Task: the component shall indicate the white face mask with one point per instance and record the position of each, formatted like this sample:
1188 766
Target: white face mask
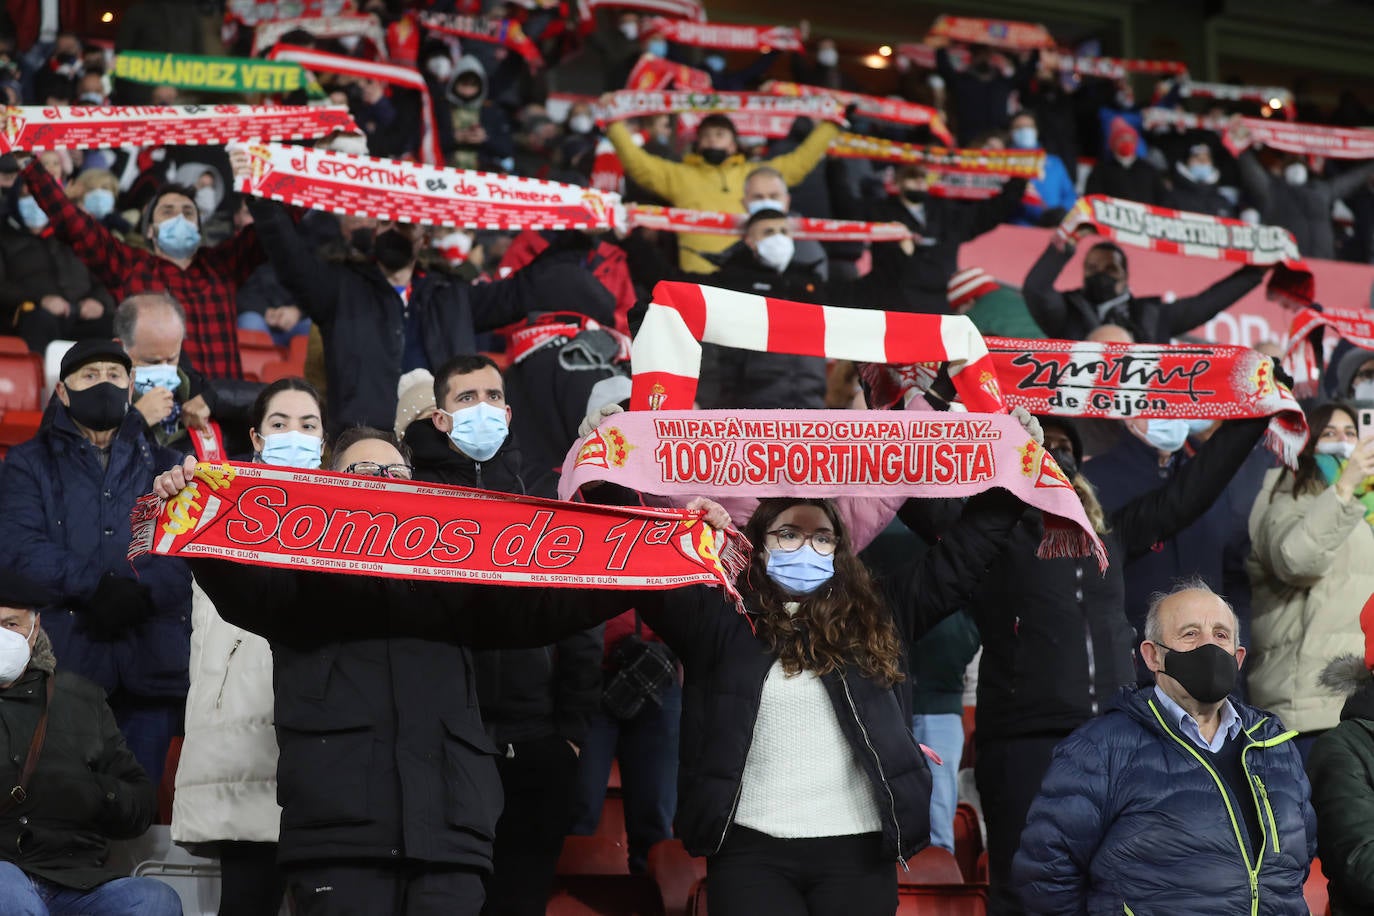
14 653
1363 391
1342 450
630 30
776 251
827 57
764 203
581 124
1295 173
441 68
206 201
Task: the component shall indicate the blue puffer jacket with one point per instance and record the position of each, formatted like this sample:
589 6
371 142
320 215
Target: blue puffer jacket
64 522
1129 821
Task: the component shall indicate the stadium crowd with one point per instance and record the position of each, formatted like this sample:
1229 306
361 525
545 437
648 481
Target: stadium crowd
1183 730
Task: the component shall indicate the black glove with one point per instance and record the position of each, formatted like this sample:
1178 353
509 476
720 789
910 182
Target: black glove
117 606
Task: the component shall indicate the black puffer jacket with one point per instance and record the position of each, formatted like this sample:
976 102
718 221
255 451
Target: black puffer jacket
1070 316
1056 642
725 666
363 320
87 788
525 693
383 754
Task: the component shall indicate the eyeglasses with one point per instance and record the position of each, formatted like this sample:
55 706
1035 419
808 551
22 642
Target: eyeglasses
788 540
373 469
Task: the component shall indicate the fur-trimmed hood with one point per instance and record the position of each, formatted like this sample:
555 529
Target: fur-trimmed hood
43 658
1347 675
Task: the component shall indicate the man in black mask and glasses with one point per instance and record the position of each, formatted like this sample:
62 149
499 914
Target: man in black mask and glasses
1178 800
65 500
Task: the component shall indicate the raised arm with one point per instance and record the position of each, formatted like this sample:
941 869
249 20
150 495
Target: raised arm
665 178
106 257
1047 305
236 257
1255 179
314 283
1190 312
796 165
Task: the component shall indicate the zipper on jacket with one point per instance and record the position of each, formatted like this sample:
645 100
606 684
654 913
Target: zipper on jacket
1087 640
1269 811
1252 873
739 785
881 775
219 698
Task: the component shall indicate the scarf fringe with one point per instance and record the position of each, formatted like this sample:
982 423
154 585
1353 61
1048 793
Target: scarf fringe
734 561
1287 448
143 519
1061 541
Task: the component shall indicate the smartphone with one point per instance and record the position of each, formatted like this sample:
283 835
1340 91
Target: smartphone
1366 423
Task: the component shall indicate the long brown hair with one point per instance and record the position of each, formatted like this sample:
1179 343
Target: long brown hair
1307 478
844 622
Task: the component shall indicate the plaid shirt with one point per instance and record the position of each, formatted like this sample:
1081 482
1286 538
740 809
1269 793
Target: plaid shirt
207 289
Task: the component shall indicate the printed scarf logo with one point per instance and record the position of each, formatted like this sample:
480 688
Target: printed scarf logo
35 129
215 74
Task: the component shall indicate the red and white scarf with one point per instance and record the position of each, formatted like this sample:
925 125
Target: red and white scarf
652 73
759 124
628 103
821 453
391 74
1195 234
701 222
675 9
1307 139
1300 357
37 128
1191 89
558 328
342 26
1119 381
896 111
1119 67
762 38
372 526
682 316
997 33
505 32
252 12
390 189
1005 163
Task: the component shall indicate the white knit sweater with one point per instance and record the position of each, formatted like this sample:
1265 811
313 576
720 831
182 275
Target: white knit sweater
801 778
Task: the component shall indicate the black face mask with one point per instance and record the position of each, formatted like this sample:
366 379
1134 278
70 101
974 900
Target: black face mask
1064 458
715 156
1098 288
1208 672
99 408
392 250
915 198
361 240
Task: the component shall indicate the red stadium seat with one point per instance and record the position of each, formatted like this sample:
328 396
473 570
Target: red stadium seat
968 841
21 380
942 900
167 789
10 344
255 350
18 426
931 865
1315 891
696 900
676 873
594 877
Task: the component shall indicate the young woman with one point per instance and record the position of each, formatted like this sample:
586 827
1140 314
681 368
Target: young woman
226 787
799 779
1311 568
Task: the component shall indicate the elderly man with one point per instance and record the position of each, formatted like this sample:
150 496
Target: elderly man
1178 800
766 189
152 328
75 784
65 500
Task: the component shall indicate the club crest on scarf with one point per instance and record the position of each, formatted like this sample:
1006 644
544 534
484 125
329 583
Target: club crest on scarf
1040 466
606 447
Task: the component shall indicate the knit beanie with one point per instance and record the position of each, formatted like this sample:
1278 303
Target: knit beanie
415 399
968 286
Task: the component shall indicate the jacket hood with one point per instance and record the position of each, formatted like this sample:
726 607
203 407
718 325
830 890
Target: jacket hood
467 65
42 658
1346 368
1348 676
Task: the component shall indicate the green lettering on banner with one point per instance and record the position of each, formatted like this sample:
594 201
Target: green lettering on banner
214 74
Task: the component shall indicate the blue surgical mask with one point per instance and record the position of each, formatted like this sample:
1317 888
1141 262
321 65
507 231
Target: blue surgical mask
178 237
479 431
1203 172
147 378
715 63
1025 138
800 571
1167 435
1198 427
32 214
658 47
99 202
292 449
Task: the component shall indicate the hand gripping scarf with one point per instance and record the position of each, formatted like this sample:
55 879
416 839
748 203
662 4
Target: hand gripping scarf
373 526
390 189
35 129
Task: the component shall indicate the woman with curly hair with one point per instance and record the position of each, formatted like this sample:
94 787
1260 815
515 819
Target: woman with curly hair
799 779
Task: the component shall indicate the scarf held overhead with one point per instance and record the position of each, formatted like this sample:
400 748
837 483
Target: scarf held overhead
672 219
505 32
666 358
628 103
372 526
815 453
342 26
896 111
1308 325
389 189
214 74
1118 381
1005 163
1306 139
252 12
35 129
997 33
653 74
761 38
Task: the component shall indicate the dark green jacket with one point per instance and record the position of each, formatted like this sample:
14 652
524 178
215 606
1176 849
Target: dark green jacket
1341 770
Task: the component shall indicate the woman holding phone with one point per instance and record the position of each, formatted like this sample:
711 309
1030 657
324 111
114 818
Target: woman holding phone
1312 568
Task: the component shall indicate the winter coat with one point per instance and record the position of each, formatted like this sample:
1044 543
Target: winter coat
1341 769
725 665
1130 469
1193 197
383 753
1304 210
525 693
1056 192
34 266
86 788
1311 570
1070 316
695 184
226 784
1139 181
948 224
364 322
64 522
978 104
1056 642
497 152
1131 819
